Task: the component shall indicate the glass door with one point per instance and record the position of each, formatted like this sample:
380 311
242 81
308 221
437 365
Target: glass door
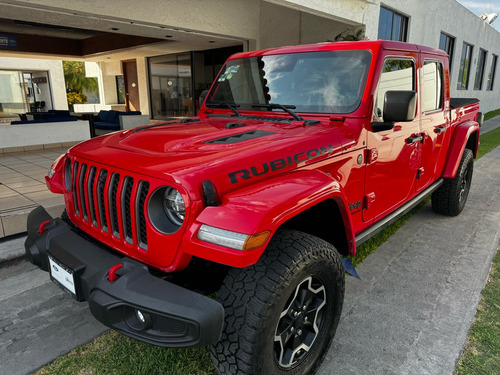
171 88
13 90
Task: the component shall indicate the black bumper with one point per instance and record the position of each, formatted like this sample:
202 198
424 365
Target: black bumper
169 316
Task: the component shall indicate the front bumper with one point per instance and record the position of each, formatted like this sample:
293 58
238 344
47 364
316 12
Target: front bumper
170 315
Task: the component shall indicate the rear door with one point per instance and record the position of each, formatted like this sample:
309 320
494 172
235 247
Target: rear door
435 120
392 157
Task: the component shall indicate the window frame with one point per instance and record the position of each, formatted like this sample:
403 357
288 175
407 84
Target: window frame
405 20
451 50
375 115
462 69
491 81
480 67
441 101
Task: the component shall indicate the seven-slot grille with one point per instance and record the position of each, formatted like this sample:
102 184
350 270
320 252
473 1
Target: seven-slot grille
110 201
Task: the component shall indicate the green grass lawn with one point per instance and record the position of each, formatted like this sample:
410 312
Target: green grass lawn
482 352
488 141
113 353
491 114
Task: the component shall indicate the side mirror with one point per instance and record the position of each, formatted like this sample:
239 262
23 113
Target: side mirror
400 105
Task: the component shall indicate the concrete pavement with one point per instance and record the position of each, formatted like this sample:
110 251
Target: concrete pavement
38 321
490 124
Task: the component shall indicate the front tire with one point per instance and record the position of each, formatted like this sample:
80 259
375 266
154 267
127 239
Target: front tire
451 196
282 313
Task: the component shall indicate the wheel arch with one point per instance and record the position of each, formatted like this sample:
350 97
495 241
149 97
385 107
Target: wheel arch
331 226
287 201
466 135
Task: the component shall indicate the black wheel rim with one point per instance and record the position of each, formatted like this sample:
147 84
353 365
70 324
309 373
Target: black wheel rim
464 185
300 322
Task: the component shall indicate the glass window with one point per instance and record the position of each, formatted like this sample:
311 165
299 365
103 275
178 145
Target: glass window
464 72
171 88
320 82
392 25
24 91
481 61
120 89
433 86
396 75
447 44
491 75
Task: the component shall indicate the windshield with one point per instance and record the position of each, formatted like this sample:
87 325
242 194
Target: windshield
318 82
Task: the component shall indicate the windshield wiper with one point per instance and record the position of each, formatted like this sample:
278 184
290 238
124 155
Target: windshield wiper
231 106
288 109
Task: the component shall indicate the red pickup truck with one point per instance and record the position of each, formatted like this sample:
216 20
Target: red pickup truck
298 155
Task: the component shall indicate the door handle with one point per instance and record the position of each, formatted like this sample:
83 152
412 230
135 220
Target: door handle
414 139
440 129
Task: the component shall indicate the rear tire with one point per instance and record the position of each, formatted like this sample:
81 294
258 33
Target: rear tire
282 313
451 196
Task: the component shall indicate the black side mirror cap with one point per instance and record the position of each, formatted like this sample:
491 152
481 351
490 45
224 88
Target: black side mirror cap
381 126
400 105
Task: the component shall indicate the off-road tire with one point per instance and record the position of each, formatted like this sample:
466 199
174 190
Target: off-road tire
260 300
451 196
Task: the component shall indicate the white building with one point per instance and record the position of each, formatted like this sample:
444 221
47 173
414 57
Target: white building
157 57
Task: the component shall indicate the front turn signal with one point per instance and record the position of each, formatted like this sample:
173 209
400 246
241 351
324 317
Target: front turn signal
256 240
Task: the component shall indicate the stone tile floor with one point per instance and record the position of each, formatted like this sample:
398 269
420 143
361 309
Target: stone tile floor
22 187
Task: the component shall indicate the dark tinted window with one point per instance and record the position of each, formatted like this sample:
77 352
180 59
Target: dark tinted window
447 44
392 25
481 61
464 72
491 76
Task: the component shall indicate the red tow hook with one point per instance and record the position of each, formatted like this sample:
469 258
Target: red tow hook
43 226
112 276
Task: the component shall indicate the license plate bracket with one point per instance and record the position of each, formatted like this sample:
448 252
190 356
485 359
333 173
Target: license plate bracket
65 270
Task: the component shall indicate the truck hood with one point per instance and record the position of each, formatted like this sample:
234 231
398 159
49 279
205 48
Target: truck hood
227 151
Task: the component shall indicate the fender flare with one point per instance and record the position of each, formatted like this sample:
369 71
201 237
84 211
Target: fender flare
267 205
458 142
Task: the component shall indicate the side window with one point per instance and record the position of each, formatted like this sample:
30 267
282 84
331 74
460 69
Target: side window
433 86
397 74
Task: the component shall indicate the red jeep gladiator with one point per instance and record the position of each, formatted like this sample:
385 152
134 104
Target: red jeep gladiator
298 155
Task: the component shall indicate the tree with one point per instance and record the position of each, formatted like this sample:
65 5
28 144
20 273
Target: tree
351 35
76 80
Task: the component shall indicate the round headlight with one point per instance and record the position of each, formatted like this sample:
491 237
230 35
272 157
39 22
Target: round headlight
166 209
174 207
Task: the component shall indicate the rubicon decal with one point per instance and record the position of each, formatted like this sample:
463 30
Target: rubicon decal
276 165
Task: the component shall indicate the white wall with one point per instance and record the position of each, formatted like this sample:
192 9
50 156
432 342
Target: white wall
280 26
55 76
43 133
109 71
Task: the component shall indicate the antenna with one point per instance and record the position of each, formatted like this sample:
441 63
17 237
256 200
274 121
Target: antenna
489 17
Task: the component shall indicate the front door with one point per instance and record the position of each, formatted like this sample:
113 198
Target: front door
393 157
131 85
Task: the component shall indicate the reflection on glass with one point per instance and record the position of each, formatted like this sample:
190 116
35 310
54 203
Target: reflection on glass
171 88
12 97
321 82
